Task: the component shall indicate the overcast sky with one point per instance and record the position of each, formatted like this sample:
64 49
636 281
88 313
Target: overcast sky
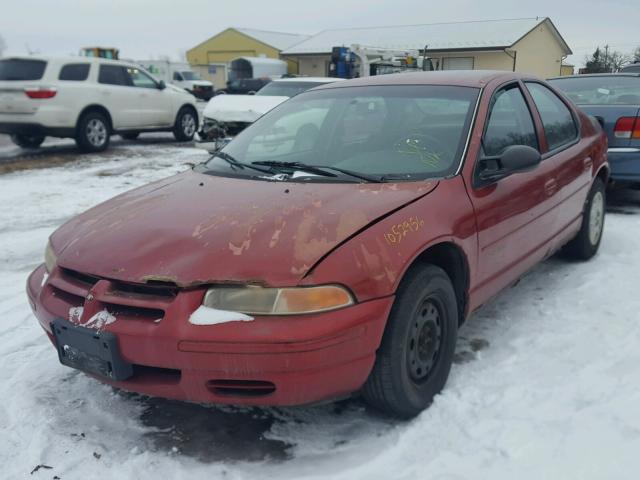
147 29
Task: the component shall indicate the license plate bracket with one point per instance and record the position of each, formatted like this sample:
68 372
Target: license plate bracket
92 351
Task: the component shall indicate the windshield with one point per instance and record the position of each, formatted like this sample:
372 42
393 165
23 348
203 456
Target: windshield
407 132
600 90
286 89
189 75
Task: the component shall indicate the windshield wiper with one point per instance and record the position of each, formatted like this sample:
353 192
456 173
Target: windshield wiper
235 163
295 166
351 173
321 170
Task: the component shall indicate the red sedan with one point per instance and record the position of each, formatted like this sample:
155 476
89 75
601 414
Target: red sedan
335 246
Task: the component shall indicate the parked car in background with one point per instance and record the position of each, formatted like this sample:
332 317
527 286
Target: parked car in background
227 115
631 68
335 246
180 75
244 86
88 99
614 99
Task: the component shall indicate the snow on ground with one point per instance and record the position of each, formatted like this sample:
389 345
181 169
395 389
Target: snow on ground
546 382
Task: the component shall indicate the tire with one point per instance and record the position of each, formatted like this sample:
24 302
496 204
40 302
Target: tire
586 243
409 369
93 132
130 136
186 124
28 141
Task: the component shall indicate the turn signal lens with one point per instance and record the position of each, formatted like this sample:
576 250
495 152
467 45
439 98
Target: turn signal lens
50 259
278 301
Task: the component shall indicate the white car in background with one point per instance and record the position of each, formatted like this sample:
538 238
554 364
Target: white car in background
227 115
88 99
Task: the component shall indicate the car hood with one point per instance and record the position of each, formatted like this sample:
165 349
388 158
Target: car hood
240 108
193 229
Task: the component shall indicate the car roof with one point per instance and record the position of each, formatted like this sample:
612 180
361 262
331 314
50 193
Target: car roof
462 78
587 75
309 79
69 59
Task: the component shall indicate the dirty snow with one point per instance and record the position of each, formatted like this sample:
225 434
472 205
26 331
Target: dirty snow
100 320
212 316
546 382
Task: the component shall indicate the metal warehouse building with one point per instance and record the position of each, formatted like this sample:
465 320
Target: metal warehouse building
211 57
531 45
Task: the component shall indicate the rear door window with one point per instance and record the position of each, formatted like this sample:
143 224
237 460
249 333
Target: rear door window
77 72
510 122
21 69
559 125
114 75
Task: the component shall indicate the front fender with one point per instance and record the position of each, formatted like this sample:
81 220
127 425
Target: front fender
373 262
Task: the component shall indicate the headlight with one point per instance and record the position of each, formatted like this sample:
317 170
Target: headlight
278 301
50 259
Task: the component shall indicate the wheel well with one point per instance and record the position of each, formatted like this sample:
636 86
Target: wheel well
603 174
453 261
96 108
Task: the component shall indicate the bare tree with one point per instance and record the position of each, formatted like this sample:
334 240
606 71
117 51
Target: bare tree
617 60
635 56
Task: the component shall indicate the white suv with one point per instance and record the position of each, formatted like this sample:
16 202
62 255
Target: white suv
88 99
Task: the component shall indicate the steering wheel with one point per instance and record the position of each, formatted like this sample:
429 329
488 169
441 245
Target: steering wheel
426 148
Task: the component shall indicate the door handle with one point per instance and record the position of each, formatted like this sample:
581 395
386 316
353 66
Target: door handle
587 163
550 186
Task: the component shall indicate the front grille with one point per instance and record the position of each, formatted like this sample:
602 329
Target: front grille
126 301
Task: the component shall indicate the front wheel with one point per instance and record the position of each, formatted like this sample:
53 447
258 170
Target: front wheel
27 141
586 243
414 360
186 125
93 132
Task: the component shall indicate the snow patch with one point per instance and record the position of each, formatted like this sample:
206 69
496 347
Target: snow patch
100 320
75 314
212 316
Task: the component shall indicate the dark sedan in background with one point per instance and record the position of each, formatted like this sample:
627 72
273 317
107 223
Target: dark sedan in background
614 99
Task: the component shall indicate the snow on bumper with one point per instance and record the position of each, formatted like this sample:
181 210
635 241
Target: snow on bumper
268 361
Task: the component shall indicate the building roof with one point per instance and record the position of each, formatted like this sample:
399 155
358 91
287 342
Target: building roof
278 40
460 78
478 35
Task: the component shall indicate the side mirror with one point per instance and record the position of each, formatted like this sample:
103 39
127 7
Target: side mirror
161 85
514 159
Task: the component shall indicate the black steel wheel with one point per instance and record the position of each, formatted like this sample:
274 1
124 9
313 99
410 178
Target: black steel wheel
416 353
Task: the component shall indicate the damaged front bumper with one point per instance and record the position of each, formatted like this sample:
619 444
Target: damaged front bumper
214 135
292 360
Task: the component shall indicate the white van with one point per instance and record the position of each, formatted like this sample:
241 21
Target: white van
180 75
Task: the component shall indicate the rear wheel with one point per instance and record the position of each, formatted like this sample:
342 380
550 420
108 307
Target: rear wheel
130 135
186 124
585 245
28 141
413 362
93 132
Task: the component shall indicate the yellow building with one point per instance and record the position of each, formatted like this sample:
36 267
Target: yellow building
211 57
531 45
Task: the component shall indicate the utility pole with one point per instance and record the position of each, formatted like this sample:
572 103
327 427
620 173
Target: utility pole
606 58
